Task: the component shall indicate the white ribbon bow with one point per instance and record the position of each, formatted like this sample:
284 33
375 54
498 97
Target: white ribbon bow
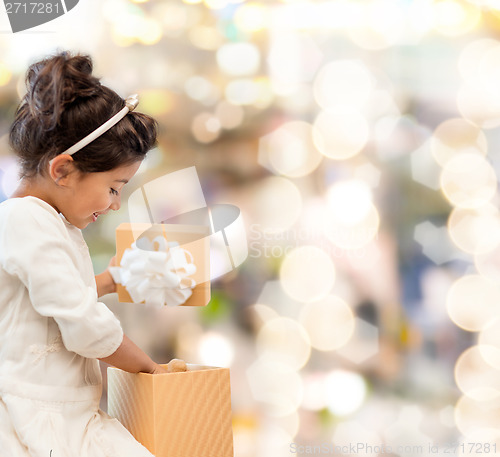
157 277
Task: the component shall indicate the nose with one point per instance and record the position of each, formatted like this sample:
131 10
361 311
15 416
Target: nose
115 203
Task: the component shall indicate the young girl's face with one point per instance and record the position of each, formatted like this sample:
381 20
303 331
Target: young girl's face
94 194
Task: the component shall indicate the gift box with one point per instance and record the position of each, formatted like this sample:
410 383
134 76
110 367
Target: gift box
190 245
186 414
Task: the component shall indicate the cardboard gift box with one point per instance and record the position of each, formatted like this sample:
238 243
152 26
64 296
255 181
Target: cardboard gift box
185 414
193 238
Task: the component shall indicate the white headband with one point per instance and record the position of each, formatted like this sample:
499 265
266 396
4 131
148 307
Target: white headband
130 104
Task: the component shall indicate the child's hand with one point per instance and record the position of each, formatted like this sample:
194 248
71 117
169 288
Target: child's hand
176 366
112 284
104 281
112 262
159 369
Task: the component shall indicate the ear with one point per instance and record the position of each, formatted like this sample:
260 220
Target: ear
60 168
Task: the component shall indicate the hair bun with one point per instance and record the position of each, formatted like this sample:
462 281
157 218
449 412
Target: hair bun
57 82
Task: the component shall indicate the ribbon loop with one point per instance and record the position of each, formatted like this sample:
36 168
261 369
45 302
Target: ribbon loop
156 272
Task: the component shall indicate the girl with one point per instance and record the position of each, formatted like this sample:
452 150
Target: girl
52 326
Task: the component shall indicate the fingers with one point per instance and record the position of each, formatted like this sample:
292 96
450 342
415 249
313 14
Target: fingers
176 366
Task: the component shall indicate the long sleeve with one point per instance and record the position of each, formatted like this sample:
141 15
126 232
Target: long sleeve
36 247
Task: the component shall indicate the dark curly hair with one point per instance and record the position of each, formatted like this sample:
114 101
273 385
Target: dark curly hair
63 104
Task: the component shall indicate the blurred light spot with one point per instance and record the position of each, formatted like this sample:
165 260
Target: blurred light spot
381 105
273 441
173 16
476 378
264 312
352 236
479 106
340 134
251 17
349 201
201 89
290 423
472 416
345 392
289 150
230 116
216 4
205 127
246 92
285 341
475 231
295 99
5 74
478 99
238 59
436 243
277 204
21 87
215 350
471 57
314 398
489 4
472 302
205 37
345 82
329 323
455 17
192 2
10 176
456 136
489 342
156 102
383 23
307 274
352 220
468 180
130 23
151 32
489 71
488 264
266 95
293 58
122 41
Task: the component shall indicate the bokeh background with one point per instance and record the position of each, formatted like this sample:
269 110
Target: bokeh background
360 140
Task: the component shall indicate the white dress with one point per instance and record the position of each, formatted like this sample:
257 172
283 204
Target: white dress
52 330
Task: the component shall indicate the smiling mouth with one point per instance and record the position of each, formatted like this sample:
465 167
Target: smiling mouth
94 216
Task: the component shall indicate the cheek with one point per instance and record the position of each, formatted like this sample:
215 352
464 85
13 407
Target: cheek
105 201
100 201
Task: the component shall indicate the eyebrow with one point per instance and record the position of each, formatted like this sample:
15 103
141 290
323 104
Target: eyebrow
122 180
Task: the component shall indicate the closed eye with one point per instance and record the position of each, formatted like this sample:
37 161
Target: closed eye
113 191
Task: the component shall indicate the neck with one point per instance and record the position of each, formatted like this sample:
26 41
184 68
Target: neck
34 187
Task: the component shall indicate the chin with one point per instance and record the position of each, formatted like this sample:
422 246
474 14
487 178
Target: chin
81 224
